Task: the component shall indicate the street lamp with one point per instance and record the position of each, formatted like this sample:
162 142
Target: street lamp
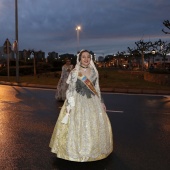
78 28
16 40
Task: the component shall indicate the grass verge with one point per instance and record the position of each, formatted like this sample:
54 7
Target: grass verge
109 78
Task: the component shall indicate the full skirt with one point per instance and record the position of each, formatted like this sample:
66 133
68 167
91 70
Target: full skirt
88 134
61 90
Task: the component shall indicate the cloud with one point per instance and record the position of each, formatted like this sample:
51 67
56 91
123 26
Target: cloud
107 25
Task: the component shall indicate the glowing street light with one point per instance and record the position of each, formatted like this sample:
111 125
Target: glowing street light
78 28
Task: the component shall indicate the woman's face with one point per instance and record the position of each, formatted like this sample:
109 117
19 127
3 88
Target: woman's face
68 62
85 59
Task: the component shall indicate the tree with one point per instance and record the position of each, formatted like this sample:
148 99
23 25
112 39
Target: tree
142 47
133 53
119 56
163 48
167 25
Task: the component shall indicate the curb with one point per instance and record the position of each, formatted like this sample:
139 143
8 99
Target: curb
27 85
103 89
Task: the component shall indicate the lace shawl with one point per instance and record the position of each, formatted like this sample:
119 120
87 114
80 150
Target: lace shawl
71 91
70 94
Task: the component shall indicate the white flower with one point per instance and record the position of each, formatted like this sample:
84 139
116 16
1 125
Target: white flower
65 119
71 101
68 108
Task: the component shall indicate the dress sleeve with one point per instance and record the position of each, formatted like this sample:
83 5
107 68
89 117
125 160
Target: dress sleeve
70 95
62 72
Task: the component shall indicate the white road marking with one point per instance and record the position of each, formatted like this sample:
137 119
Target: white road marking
134 94
167 96
114 111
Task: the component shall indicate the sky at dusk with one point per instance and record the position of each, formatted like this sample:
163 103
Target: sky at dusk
108 26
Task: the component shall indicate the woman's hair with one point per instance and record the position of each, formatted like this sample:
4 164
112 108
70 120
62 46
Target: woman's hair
81 52
67 59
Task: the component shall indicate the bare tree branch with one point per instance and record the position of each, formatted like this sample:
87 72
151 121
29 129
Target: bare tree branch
167 25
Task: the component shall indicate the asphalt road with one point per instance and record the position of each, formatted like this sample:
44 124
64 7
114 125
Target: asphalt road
141 129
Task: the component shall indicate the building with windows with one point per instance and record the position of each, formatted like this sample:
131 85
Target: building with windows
158 60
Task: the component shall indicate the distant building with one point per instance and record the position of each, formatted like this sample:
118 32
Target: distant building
100 58
158 59
52 56
26 55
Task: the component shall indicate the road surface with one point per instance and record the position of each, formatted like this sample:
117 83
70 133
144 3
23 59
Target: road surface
141 129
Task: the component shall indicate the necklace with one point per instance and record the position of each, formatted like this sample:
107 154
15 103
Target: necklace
84 68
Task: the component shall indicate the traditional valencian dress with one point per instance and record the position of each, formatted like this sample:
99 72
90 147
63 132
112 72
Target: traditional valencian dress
83 131
62 85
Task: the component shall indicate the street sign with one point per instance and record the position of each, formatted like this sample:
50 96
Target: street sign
7 47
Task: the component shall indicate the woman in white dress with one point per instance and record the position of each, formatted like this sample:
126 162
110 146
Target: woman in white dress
62 85
83 131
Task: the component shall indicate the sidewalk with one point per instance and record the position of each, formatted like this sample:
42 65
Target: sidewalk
111 90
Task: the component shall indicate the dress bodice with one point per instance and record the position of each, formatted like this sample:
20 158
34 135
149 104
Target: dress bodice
65 72
82 89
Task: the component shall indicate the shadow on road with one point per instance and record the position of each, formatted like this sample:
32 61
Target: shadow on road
106 164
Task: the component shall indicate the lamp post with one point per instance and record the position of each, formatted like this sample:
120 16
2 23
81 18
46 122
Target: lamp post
78 28
16 42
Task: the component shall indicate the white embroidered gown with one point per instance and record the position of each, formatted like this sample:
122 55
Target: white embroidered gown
62 85
88 134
